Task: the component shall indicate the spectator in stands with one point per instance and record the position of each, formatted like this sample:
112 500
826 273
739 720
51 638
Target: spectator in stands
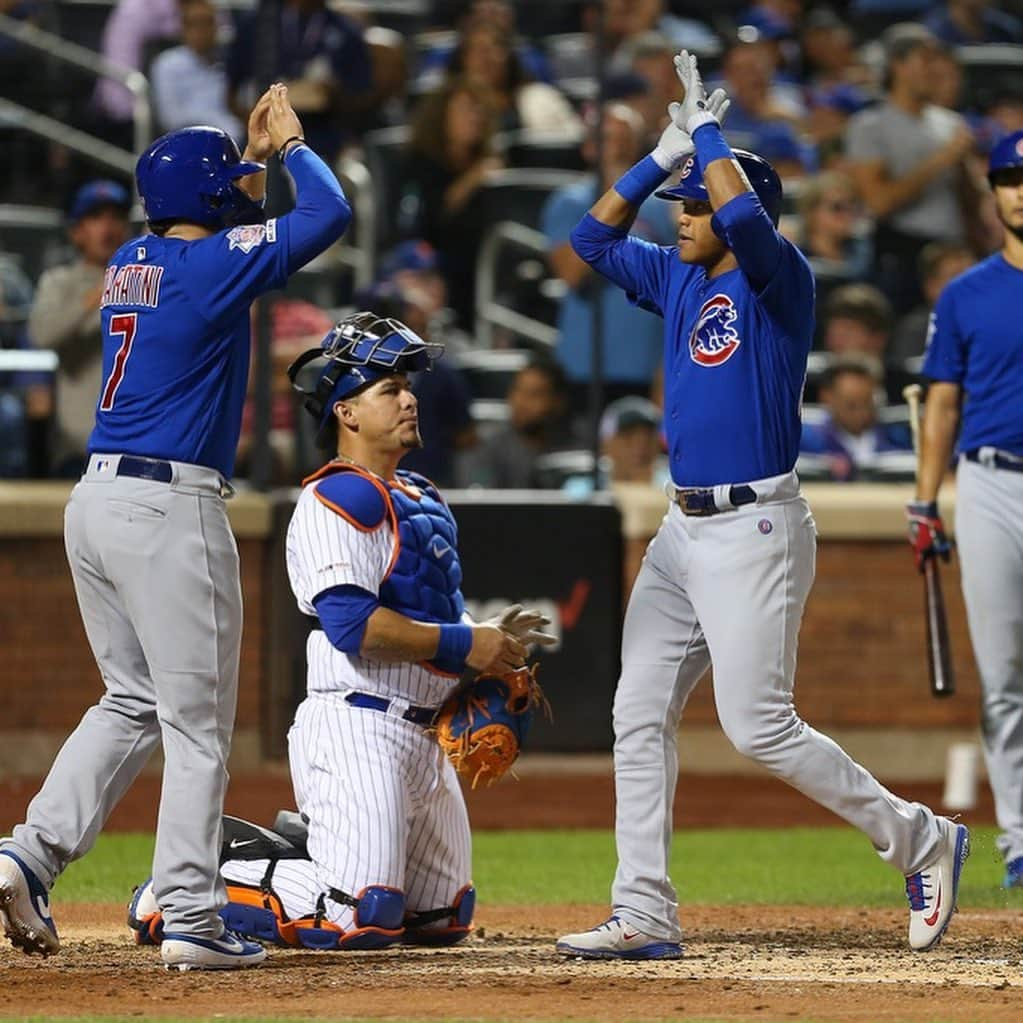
445 413
758 119
830 234
632 338
973 22
650 57
485 57
320 54
849 439
65 316
133 26
836 80
630 441
451 153
538 424
857 319
15 303
501 15
938 263
189 81
909 160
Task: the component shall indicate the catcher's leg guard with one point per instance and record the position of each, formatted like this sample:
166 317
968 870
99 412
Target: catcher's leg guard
428 927
379 915
144 916
256 913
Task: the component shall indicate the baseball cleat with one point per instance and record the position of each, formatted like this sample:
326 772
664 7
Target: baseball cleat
228 952
932 892
615 939
1013 873
144 916
25 908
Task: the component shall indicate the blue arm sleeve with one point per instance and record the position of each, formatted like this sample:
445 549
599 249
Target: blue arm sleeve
231 268
343 612
746 228
321 214
637 266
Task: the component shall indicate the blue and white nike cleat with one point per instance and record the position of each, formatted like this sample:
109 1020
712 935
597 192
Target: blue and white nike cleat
144 916
615 939
25 908
228 952
1013 873
933 891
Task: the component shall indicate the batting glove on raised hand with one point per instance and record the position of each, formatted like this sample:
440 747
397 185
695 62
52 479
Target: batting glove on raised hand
525 625
676 144
696 108
926 532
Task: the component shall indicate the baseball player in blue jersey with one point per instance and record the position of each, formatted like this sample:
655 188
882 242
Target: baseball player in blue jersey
974 362
372 554
154 562
725 579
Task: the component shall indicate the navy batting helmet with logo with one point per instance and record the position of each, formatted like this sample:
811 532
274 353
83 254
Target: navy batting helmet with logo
360 349
1007 154
762 177
190 175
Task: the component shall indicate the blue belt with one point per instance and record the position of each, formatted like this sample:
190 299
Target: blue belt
700 500
424 716
145 468
999 459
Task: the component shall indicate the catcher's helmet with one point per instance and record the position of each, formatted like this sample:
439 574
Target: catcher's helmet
762 177
1007 153
190 175
360 349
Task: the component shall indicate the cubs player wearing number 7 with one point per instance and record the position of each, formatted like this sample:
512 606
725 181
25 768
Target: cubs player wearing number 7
372 557
725 578
152 556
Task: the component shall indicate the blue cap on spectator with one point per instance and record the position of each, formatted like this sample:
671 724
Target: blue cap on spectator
624 84
410 255
628 412
767 25
97 194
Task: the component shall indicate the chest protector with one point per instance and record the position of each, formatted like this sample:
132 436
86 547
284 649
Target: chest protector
426 576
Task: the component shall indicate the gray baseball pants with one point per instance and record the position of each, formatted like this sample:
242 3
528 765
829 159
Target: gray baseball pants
155 569
730 589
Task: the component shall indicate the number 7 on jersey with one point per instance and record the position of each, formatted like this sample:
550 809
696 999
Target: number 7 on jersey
123 324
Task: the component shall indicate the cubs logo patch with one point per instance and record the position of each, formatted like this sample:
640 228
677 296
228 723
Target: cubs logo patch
687 168
714 339
246 237
765 527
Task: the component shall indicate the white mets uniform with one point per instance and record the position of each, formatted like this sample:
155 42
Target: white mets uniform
384 804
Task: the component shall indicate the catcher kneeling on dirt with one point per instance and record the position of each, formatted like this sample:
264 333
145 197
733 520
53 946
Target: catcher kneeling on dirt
398 673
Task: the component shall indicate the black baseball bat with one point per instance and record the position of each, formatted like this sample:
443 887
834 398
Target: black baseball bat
939 652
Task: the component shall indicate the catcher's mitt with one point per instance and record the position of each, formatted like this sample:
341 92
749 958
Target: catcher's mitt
482 728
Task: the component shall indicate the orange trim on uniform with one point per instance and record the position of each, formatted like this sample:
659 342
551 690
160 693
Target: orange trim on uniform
338 510
333 467
414 492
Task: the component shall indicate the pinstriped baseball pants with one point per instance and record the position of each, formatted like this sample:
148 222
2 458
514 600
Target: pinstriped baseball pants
384 808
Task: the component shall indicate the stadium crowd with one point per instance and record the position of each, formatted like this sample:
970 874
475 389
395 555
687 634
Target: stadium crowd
446 121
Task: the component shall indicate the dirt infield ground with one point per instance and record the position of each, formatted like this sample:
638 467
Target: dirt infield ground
763 963
753 963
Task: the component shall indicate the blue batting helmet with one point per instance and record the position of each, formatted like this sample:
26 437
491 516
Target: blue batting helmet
190 175
762 177
1007 153
360 349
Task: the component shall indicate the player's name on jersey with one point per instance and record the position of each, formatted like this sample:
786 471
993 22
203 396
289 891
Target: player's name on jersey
132 284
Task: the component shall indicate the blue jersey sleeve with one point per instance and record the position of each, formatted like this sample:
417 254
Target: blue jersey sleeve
231 268
776 270
639 267
945 355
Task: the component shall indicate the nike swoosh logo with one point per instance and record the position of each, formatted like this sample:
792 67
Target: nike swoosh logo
235 844
933 918
628 937
438 549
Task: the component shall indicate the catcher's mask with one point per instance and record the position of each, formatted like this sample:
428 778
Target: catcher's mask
359 350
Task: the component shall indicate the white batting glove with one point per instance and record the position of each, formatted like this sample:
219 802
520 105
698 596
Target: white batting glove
525 625
674 145
695 110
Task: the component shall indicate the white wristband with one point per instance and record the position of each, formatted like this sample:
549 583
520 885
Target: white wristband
665 160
